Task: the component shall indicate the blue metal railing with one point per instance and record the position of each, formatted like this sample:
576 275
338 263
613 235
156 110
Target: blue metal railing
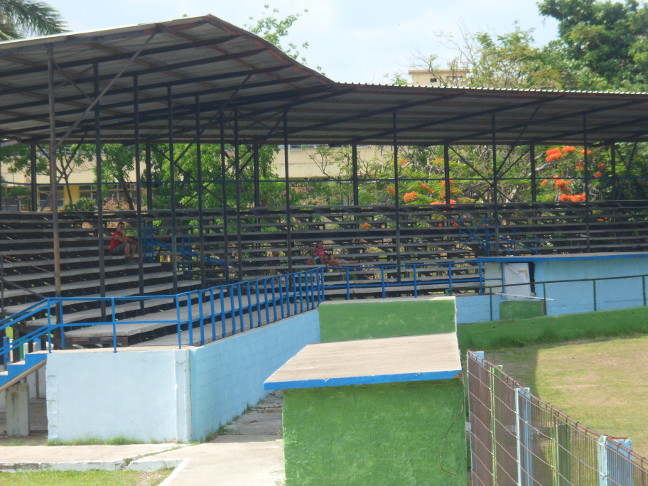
414 277
236 307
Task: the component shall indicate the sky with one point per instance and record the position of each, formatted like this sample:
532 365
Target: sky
361 41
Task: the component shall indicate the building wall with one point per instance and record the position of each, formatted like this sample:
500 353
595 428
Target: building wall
150 394
378 318
228 375
400 433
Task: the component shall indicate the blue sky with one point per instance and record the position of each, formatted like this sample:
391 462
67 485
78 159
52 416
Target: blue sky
352 40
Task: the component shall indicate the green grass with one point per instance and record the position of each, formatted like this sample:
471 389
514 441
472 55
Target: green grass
487 336
118 440
601 384
85 478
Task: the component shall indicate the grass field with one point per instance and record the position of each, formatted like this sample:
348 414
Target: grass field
602 384
86 478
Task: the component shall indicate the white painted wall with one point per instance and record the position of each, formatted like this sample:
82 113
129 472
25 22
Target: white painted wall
142 395
152 394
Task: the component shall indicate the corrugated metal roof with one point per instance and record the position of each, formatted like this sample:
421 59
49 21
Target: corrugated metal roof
227 69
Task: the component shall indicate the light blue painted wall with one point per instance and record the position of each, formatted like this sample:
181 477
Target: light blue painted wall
566 298
563 298
227 376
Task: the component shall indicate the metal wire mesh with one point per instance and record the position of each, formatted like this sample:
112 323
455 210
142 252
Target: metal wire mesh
518 439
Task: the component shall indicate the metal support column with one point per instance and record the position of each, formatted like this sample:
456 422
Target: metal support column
288 212
53 149
201 202
149 183
354 174
224 196
172 201
138 190
446 172
237 171
396 190
496 222
587 183
99 165
257 187
534 179
33 172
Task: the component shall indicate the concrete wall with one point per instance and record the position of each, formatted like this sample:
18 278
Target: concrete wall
379 435
152 394
378 318
141 395
228 375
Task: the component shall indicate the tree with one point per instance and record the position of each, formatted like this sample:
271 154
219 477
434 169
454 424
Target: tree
23 18
607 42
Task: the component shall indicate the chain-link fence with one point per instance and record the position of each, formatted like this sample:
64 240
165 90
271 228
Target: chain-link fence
517 439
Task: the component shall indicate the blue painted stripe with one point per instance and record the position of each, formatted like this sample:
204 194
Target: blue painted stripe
362 380
535 258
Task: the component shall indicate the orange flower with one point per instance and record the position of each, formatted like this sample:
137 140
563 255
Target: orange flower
578 197
589 152
391 190
579 165
598 174
601 220
568 149
436 202
452 201
425 187
410 196
565 197
438 160
601 165
403 162
365 226
544 182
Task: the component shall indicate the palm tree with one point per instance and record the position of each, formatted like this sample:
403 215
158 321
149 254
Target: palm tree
23 18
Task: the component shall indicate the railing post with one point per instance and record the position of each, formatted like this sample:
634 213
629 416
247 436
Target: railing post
258 302
114 323
223 315
212 308
348 283
239 291
594 293
414 275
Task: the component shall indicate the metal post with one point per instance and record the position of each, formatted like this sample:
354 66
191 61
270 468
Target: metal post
495 173
100 221
354 174
534 188
224 196
34 178
174 242
149 183
288 213
396 192
237 167
53 149
257 188
138 189
446 172
587 185
201 202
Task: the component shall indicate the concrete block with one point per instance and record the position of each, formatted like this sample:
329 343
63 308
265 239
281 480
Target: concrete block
18 410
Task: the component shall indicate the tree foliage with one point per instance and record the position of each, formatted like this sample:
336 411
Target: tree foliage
606 41
23 18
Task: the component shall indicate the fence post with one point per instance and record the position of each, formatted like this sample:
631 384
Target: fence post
643 285
523 430
594 295
602 461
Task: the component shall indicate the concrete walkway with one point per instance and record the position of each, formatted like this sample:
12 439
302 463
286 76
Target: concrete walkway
249 452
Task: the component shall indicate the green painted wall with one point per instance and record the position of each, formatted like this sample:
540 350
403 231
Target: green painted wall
515 309
372 319
487 336
389 434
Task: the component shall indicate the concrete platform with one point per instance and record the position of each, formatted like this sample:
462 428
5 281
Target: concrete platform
248 453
